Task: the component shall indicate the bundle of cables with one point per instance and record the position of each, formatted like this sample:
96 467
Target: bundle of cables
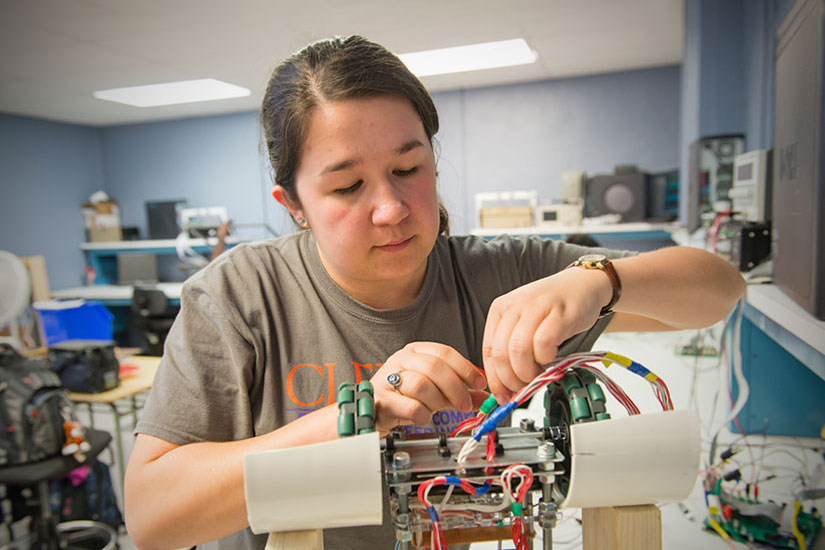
515 495
490 415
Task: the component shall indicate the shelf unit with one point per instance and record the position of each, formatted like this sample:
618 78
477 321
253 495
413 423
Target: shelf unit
639 236
102 256
637 230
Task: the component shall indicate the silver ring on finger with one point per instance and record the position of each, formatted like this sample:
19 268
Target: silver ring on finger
394 380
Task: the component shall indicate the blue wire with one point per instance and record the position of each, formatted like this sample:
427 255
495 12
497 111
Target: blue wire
397 544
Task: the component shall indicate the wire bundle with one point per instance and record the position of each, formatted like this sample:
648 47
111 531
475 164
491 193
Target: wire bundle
486 421
470 423
438 541
517 496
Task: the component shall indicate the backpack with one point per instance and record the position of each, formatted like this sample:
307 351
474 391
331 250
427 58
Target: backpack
92 499
33 409
86 366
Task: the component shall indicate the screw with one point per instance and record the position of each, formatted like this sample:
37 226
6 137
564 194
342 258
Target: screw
546 450
401 460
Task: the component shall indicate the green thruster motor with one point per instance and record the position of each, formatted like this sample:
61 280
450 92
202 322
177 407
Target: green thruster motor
356 409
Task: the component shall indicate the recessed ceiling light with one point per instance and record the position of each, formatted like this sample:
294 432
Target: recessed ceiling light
474 57
173 93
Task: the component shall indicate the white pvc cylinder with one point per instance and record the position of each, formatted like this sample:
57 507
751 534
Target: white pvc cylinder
331 484
641 459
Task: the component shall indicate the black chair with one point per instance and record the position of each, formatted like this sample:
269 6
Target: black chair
47 533
153 316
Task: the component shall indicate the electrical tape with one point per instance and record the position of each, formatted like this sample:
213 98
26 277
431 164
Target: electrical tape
621 359
494 419
636 368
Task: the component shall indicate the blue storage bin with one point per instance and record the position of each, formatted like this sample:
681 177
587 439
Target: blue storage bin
74 320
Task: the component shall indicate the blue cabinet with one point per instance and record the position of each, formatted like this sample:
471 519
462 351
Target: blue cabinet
783 361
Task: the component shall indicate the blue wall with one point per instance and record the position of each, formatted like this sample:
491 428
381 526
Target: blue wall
507 137
523 136
47 171
209 161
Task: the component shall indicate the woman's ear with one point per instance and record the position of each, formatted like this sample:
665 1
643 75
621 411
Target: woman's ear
280 195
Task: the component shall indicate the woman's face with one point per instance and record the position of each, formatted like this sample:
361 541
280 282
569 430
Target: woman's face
367 187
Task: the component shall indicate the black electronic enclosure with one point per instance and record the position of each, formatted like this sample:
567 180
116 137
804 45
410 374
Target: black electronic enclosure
163 218
799 157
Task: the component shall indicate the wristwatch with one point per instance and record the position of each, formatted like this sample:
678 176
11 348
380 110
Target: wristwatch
599 261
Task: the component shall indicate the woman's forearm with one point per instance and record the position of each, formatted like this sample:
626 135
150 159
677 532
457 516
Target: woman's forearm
678 286
179 496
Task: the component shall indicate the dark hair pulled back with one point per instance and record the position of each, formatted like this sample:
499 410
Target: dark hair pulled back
331 70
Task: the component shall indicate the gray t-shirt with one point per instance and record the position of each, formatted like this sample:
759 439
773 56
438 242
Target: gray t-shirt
264 336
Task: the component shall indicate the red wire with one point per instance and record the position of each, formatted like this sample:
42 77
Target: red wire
467 422
491 446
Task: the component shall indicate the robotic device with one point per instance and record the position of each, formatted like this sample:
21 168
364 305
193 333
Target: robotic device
484 481
453 490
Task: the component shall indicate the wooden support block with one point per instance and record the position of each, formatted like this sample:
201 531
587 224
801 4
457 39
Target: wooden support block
296 540
622 528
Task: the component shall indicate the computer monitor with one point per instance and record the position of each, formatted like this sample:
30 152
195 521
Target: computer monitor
163 218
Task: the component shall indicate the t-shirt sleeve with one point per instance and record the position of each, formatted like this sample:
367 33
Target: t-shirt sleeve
201 389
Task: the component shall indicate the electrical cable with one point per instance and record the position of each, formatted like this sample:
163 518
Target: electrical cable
555 371
744 389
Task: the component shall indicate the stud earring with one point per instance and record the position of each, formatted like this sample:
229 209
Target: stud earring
302 222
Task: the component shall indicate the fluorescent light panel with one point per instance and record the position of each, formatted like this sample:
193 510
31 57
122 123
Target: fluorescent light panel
173 93
475 57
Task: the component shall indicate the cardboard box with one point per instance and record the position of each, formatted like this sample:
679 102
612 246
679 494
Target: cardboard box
507 216
104 234
102 221
36 266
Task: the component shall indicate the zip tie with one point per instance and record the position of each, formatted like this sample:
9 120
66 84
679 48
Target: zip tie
433 514
517 509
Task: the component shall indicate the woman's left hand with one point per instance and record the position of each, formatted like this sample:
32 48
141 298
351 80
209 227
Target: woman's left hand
526 326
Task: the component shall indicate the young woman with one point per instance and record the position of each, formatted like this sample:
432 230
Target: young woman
370 287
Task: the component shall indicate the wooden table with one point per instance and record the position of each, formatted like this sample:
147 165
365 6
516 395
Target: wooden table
130 386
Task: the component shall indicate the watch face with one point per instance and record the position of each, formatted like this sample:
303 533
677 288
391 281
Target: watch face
593 258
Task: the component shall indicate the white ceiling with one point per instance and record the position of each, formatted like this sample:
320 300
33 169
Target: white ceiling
54 53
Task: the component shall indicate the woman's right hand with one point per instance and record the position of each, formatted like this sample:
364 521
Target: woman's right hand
433 377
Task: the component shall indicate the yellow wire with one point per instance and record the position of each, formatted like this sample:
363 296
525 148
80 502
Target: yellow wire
800 538
713 523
